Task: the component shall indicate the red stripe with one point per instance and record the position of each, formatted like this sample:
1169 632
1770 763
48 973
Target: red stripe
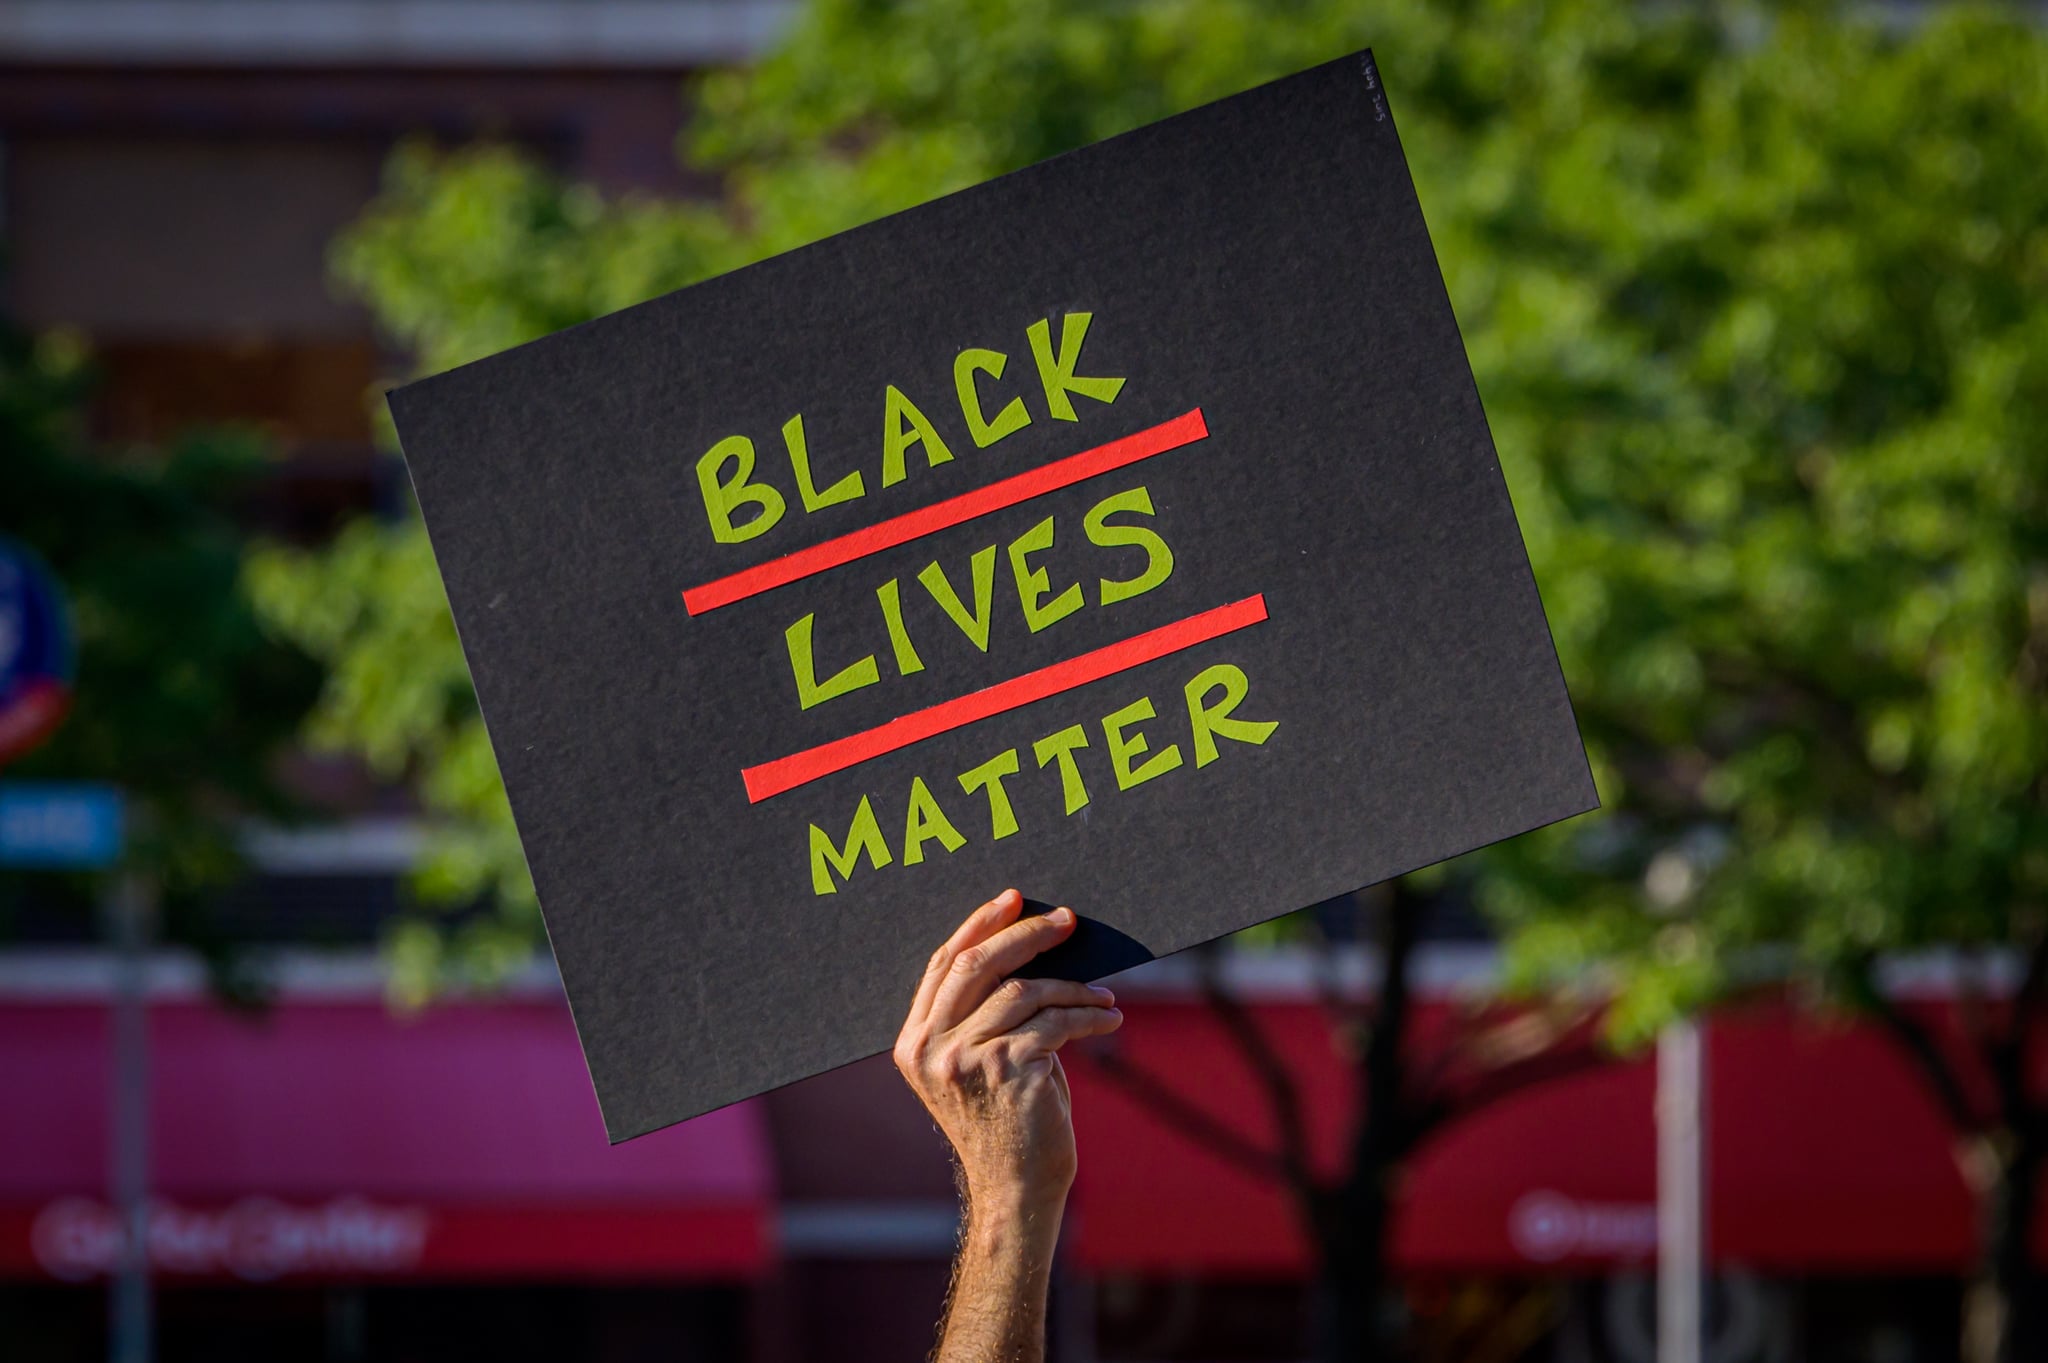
773 778
1167 435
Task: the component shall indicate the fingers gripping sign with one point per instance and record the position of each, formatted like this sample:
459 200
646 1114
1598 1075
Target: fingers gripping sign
981 1051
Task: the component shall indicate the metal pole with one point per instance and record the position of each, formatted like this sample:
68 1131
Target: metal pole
129 1337
1681 1193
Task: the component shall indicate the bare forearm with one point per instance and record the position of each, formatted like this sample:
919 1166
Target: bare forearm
980 1048
996 1310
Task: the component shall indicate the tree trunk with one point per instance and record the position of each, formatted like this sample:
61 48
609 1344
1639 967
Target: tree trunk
2019 1306
1353 1323
1359 1322
2017 1316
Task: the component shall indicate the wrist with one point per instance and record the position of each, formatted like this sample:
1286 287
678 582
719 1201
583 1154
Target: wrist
1012 1211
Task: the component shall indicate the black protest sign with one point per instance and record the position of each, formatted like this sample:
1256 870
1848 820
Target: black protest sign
1126 529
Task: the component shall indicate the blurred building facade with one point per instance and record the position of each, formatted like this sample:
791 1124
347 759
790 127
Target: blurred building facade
335 1181
338 1182
174 171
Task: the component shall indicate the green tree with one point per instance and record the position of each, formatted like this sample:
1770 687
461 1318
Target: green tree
1771 366
182 699
1755 300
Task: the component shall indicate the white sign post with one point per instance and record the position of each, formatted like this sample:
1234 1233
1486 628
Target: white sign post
1681 1193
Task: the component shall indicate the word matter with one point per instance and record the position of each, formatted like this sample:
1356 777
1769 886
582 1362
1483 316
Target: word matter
1209 717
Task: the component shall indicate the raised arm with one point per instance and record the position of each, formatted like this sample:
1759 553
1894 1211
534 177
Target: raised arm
981 1052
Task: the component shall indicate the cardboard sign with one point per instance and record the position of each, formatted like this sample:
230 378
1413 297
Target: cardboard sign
1125 529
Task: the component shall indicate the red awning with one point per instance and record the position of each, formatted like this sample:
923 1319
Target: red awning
332 1139
1825 1155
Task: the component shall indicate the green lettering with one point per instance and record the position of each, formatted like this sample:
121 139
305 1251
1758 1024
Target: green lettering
724 496
1034 583
801 663
845 490
989 776
1056 372
924 822
1122 749
907 660
1158 558
1009 421
903 425
1208 721
864 836
974 626
1060 747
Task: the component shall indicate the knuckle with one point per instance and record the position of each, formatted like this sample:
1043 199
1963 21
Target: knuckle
910 1047
970 961
952 1064
1012 992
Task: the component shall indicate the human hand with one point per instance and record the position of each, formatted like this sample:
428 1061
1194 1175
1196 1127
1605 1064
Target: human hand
981 1052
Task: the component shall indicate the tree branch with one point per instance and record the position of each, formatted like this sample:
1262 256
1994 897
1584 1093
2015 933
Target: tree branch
1920 1046
2008 1053
1343 1014
1384 1132
1525 1033
1525 1072
1267 1067
2035 982
1971 1009
1163 1102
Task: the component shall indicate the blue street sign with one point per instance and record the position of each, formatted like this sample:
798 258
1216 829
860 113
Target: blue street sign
60 825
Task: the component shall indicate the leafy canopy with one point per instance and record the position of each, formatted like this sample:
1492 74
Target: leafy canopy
182 699
1755 298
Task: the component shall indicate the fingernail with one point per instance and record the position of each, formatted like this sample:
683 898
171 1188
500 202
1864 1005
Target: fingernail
1059 918
1103 994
